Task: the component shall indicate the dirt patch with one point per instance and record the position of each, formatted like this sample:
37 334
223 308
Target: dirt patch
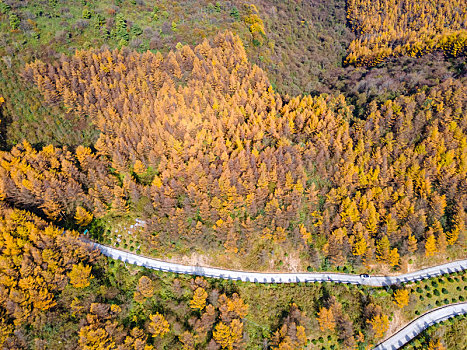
292 262
193 259
382 269
398 321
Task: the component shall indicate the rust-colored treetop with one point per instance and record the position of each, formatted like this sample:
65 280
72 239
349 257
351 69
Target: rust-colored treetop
38 260
387 28
215 155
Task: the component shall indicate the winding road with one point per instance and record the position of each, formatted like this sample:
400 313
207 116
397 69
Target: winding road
281 277
394 342
421 323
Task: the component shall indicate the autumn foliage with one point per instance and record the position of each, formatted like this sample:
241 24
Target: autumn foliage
38 262
326 319
80 275
394 28
199 299
332 318
292 334
228 336
158 326
199 144
145 289
201 138
401 297
377 320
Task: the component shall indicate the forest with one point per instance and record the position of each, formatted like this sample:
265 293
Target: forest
393 28
56 292
200 145
265 136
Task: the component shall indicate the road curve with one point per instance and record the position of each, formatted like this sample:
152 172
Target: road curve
421 323
279 277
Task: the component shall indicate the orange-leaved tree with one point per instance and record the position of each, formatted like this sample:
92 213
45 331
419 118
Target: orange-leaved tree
158 326
401 297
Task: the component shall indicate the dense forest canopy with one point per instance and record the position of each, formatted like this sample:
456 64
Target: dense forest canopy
265 135
213 157
403 27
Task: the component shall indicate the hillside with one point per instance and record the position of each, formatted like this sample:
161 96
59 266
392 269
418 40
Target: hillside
264 135
199 144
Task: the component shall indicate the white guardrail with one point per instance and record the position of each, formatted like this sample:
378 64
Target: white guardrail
394 342
421 323
281 277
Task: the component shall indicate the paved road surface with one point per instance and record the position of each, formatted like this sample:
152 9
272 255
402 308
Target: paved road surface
394 342
420 324
261 277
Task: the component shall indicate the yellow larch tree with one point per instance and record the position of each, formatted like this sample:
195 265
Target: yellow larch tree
145 289
401 297
430 245
394 257
413 246
326 319
435 345
139 168
80 276
158 326
199 299
82 216
379 324
228 336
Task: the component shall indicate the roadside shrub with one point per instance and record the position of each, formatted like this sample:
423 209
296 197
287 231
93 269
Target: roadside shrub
86 14
14 21
235 13
446 301
136 30
4 8
135 43
121 28
81 24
